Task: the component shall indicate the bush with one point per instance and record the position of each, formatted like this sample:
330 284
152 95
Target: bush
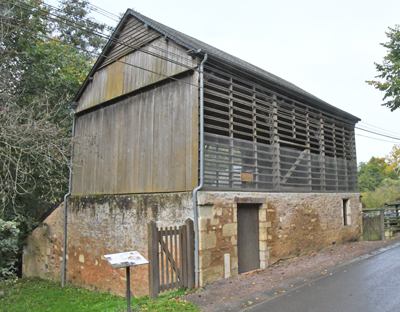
382 195
9 233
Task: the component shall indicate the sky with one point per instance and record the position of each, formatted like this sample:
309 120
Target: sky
327 48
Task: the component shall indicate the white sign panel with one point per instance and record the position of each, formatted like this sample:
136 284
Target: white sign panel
126 259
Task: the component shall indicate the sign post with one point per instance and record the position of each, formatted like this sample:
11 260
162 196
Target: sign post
128 288
126 260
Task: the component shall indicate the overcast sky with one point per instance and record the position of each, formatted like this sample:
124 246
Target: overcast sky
327 48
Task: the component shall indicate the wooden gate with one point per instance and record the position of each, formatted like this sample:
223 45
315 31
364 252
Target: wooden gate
171 256
373 227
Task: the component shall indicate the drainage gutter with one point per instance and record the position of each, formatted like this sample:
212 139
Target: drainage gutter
201 177
64 257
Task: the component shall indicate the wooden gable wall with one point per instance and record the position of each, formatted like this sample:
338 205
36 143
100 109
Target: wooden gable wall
143 66
145 139
143 144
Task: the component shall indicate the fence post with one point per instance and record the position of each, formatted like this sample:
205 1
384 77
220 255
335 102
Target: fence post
190 252
382 215
183 254
154 271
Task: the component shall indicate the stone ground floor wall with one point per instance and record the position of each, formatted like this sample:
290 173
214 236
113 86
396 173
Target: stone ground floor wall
290 224
99 225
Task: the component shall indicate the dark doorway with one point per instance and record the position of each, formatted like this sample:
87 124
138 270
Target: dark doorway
345 204
248 237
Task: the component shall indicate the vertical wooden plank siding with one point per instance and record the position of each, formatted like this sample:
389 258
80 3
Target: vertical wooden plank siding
177 271
97 165
78 155
170 251
190 252
192 135
154 275
115 79
163 263
157 135
141 143
149 66
165 144
167 263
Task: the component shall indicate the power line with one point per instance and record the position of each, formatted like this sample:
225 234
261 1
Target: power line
101 11
90 52
252 83
98 9
376 138
105 13
121 33
138 46
390 132
387 136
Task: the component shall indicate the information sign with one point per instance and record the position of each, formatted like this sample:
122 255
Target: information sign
126 259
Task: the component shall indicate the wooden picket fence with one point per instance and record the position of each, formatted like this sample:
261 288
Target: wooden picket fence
171 256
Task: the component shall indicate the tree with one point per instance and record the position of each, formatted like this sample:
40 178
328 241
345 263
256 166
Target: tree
390 70
393 159
372 173
380 196
39 74
378 182
8 249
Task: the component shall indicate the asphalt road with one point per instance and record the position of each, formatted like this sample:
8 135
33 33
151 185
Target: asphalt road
370 285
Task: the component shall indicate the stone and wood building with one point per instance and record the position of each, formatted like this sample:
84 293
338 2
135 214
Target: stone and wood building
278 169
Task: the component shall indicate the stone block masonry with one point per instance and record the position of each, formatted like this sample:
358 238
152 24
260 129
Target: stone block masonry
99 225
290 224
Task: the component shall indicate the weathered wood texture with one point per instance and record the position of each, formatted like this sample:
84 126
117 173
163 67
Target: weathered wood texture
171 251
145 143
131 37
152 63
373 227
259 139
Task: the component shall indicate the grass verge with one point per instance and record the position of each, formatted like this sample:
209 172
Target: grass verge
37 295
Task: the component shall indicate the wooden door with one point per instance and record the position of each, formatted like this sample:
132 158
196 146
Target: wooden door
248 237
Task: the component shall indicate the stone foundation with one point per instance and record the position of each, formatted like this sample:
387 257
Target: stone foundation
99 225
290 224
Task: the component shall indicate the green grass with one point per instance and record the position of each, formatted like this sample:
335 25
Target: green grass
37 295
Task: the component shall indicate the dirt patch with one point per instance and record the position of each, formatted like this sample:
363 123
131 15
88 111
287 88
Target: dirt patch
226 291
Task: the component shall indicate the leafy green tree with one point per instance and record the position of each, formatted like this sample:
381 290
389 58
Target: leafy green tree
390 70
39 74
372 173
393 159
77 29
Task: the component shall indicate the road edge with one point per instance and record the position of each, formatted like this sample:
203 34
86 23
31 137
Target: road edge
263 297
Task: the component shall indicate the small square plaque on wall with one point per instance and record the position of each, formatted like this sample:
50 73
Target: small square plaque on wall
246 176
